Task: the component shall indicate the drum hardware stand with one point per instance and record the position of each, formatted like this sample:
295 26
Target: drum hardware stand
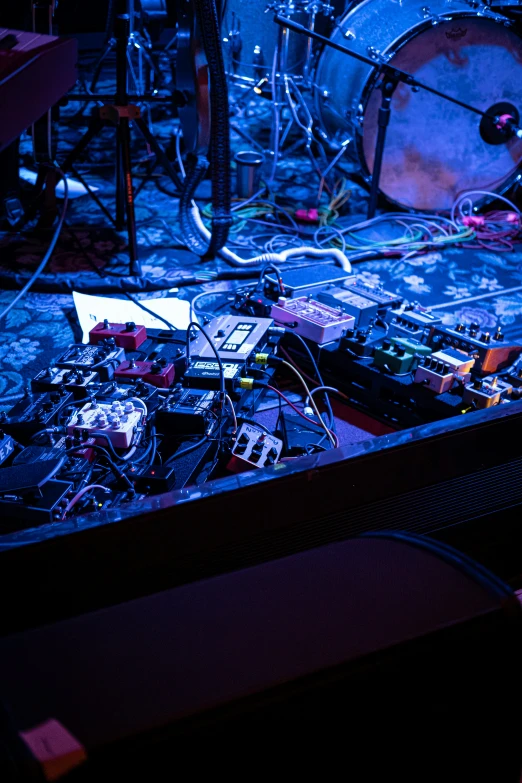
119 114
387 87
391 77
286 88
286 92
136 42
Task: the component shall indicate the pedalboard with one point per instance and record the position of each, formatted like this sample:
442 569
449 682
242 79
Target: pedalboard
116 422
187 412
314 320
254 448
158 373
394 361
127 336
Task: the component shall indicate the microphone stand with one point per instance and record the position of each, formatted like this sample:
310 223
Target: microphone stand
391 77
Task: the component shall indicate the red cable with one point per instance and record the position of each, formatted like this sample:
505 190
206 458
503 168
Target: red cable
300 413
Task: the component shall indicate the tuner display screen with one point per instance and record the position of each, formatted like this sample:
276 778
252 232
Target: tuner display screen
238 337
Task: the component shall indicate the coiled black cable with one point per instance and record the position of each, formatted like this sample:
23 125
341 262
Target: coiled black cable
219 152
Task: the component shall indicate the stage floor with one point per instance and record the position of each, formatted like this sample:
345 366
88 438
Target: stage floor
461 284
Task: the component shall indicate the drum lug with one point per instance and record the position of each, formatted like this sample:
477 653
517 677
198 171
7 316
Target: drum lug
489 14
427 14
355 115
377 55
348 34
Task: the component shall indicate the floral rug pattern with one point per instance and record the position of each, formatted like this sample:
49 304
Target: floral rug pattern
471 285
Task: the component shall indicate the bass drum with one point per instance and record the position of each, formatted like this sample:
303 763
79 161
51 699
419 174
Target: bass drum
434 149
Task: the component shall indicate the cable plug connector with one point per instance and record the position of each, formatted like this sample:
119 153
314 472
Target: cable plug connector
252 383
267 359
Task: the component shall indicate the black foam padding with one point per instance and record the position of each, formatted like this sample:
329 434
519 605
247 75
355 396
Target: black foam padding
21 479
366 638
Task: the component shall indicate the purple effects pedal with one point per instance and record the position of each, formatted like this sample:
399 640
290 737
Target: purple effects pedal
314 320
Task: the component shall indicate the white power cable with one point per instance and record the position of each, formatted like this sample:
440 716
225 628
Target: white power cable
273 258
140 403
232 411
80 494
50 249
265 258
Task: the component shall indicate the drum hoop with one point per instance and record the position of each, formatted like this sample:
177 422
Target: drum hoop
391 50
409 35
373 77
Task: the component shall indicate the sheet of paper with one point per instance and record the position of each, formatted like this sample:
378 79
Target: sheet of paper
92 310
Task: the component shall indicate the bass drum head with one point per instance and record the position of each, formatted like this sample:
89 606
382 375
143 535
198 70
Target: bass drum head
434 149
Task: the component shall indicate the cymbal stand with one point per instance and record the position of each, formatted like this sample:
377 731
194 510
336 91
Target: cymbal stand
119 114
138 43
287 92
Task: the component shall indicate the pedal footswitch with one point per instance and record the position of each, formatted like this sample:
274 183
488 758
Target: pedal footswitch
160 374
128 336
254 448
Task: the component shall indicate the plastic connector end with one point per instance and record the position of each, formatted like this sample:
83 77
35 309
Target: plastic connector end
246 383
267 359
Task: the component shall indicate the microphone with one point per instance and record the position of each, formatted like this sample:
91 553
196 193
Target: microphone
500 123
508 124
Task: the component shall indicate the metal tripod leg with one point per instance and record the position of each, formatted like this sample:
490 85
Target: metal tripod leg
99 65
128 194
95 126
120 185
158 150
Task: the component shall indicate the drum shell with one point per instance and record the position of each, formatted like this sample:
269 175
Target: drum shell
258 28
434 149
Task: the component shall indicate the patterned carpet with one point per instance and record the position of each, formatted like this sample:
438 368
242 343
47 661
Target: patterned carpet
464 285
